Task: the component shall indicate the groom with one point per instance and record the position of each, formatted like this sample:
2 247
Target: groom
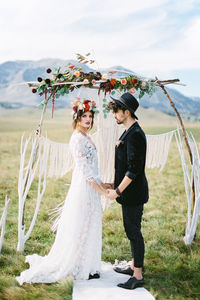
131 187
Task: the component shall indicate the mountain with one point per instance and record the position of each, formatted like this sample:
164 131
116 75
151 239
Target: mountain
14 93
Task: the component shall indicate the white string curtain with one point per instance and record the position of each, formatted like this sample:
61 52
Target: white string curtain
60 157
61 160
190 174
157 149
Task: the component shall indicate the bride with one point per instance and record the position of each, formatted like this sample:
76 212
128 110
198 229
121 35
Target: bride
77 247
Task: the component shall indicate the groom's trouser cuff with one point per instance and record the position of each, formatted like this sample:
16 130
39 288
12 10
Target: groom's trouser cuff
132 217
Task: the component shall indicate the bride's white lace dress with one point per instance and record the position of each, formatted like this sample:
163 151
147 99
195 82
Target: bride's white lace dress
77 247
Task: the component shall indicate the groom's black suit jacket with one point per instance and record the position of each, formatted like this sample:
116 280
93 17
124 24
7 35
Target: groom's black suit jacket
130 157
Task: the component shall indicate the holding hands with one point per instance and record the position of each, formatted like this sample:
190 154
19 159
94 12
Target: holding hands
105 189
107 185
110 192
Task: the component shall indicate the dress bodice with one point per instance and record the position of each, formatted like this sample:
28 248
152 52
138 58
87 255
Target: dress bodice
85 156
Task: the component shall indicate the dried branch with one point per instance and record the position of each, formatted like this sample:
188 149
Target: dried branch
183 130
3 221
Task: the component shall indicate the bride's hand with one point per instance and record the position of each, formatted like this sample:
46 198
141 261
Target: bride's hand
111 194
105 192
107 185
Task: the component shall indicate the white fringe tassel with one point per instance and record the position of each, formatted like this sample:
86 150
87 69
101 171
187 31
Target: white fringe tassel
55 214
192 219
60 158
157 149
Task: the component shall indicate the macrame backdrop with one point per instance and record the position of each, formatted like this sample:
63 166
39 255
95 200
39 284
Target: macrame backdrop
158 149
55 159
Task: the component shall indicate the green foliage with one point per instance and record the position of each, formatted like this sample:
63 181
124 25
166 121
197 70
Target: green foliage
61 83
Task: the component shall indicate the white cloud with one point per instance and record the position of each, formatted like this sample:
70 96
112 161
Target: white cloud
151 37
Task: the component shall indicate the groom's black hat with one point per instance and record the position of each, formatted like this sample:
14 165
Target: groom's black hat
128 101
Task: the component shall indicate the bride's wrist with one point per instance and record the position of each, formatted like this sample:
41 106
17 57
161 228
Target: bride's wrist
103 192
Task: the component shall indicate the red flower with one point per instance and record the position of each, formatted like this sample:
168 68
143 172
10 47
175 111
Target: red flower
87 107
34 91
48 70
74 108
39 79
113 81
86 101
47 81
134 81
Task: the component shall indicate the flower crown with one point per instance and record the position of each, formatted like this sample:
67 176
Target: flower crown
84 105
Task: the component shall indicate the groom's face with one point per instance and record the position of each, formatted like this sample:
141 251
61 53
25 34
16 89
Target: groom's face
120 116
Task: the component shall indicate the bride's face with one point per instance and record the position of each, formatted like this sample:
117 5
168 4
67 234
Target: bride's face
86 120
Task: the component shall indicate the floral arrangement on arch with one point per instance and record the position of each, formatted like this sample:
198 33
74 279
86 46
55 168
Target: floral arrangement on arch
61 83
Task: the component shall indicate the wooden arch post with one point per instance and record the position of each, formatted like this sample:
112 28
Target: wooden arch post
160 83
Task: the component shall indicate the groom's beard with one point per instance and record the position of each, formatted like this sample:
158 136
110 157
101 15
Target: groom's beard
120 121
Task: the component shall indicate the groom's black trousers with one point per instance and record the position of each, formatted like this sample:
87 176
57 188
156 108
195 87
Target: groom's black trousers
132 217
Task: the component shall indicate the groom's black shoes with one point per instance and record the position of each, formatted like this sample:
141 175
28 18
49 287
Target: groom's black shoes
132 283
127 271
94 276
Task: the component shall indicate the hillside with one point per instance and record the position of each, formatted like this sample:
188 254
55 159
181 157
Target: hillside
14 93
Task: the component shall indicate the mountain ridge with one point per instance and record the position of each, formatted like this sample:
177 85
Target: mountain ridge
14 93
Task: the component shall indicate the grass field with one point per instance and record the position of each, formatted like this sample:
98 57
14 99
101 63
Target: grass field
172 270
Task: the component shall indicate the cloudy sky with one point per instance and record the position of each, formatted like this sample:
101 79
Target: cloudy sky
151 37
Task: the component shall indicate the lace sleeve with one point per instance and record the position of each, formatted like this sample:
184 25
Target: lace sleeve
83 153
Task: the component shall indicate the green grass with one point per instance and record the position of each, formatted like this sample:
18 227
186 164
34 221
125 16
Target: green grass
172 270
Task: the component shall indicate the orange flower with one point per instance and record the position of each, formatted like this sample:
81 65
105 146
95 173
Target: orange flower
113 81
123 81
77 73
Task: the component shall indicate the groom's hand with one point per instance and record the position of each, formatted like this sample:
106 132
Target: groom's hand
112 195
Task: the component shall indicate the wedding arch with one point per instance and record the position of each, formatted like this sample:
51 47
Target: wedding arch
49 158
